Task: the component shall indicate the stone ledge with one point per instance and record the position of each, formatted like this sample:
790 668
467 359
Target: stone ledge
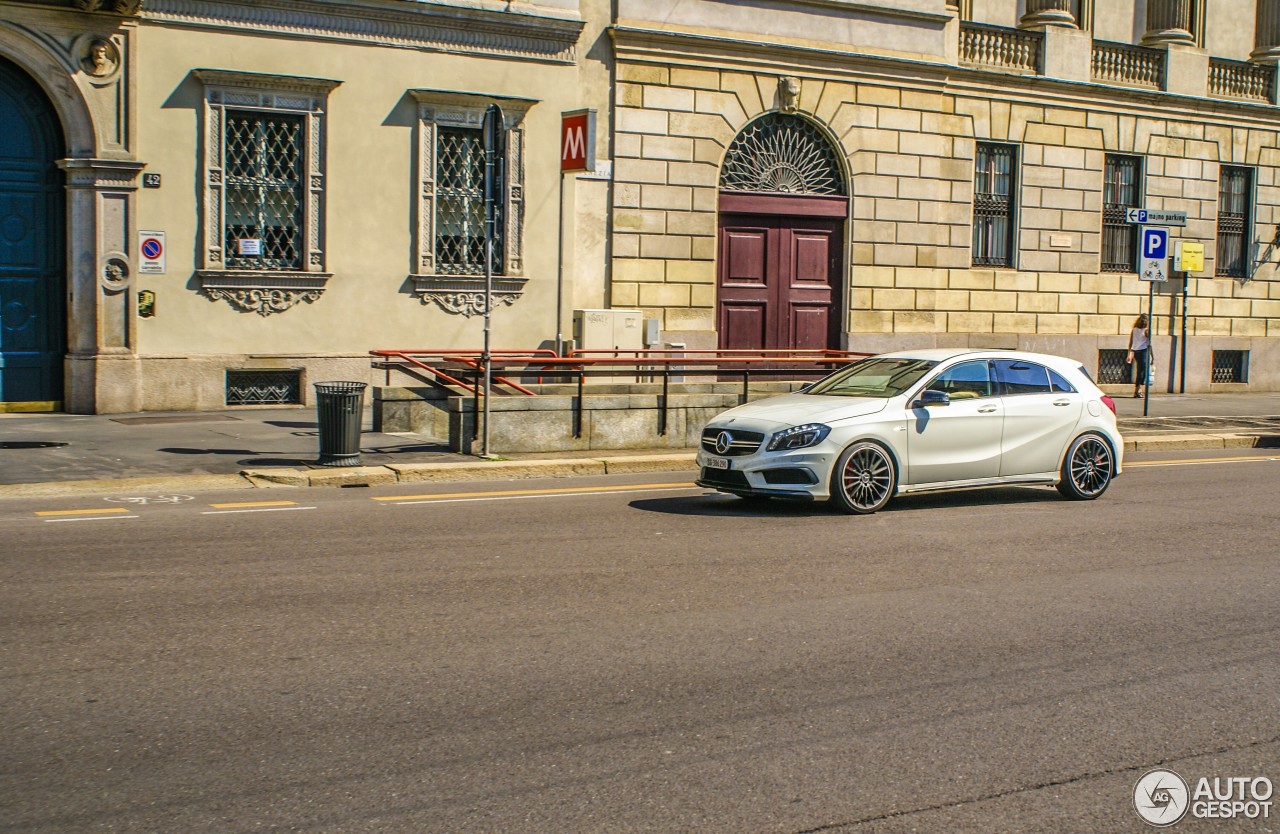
497 470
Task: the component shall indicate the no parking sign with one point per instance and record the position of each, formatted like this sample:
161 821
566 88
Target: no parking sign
151 253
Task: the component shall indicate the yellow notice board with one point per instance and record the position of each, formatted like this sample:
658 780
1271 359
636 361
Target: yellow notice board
1188 256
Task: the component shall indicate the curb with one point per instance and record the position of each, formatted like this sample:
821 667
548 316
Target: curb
406 473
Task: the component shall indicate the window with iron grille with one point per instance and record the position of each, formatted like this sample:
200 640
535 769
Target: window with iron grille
994 186
1235 196
449 242
262 158
1112 367
1230 366
262 244
460 214
1120 192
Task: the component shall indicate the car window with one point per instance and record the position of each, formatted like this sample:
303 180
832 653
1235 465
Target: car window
1059 383
1082 369
966 381
874 377
1019 377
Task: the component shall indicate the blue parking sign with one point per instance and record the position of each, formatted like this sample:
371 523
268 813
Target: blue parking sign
1155 243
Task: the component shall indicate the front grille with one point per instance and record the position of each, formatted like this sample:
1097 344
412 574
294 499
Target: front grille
730 478
742 443
789 475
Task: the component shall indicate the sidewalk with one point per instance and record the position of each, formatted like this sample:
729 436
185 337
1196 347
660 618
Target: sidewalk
45 453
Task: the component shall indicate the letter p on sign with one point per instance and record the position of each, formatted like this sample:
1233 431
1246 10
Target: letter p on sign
578 140
1155 243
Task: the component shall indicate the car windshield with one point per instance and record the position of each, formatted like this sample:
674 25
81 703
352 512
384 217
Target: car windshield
876 377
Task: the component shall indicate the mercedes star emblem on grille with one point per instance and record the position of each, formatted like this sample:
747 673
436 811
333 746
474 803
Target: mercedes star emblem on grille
723 441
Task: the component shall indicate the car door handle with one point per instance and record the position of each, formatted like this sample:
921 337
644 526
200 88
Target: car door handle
1062 402
986 409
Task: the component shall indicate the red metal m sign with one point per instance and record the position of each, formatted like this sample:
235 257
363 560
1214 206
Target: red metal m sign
578 140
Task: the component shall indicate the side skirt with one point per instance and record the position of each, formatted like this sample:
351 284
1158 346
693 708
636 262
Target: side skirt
1046 478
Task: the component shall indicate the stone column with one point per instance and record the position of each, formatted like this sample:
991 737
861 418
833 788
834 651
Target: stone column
101 366
1047 13
1169 22
1266 39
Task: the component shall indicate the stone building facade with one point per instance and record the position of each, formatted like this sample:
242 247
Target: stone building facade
216 201
924 106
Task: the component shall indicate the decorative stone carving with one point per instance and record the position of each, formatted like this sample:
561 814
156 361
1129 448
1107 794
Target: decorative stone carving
101 58
127 8
263 293
264 302
464 296
432 26
115 274
788 93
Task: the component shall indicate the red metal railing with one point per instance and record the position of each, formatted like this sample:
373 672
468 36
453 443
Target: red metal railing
447 367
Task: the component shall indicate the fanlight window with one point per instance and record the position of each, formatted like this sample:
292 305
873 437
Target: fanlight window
781 153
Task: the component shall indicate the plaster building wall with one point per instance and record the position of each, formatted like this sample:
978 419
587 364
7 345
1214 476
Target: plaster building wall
361 79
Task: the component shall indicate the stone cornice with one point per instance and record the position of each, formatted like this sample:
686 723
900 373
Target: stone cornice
101 173
265 81
740 55
395 23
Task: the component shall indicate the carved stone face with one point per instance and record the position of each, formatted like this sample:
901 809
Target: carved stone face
100 58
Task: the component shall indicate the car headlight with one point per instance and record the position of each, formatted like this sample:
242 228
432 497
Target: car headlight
798 437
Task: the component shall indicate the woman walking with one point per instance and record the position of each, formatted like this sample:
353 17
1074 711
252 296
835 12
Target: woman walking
1139 350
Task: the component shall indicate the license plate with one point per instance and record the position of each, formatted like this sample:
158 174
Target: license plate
717 463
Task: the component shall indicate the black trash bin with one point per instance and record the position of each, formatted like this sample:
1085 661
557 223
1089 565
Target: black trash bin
340 409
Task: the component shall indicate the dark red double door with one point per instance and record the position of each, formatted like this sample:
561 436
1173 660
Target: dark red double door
780 271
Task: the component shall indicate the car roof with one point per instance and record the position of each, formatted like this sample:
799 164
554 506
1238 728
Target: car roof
943 354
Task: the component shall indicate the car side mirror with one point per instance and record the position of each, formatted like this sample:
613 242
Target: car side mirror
928 398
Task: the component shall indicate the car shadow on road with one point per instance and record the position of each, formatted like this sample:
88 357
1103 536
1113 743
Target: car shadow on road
717 504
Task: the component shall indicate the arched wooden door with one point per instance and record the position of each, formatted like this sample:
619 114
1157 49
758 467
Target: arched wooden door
781 239
32 279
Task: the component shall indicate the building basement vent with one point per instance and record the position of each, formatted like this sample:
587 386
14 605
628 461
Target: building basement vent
258 386
1112 369
1231 366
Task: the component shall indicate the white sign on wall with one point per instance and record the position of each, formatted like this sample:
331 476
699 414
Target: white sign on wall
151 253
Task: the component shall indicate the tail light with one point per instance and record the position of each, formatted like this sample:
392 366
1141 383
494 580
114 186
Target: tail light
1109 403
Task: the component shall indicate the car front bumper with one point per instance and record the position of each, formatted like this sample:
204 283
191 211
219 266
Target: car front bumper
802 474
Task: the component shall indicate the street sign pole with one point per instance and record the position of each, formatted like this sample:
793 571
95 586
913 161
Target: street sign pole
494 132
1151 331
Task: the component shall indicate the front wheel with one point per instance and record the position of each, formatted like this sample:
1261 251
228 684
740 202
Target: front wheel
1088 468
864 479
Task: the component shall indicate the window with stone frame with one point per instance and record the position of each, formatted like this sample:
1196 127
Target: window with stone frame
995 186
450 237
262 179
1121 191
1235 220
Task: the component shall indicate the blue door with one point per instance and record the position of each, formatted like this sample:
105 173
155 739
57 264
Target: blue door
32 315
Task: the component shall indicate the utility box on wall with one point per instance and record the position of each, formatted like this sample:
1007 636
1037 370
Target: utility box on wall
608 329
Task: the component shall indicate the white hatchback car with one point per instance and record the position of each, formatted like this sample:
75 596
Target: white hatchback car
920 420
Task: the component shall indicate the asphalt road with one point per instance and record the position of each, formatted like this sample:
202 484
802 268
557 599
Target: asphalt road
636 655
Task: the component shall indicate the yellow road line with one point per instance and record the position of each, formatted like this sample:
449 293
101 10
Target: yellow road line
83 512
1184 461
255 504
561 491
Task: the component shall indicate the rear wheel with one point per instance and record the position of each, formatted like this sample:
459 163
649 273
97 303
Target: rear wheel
1088 468
864 479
